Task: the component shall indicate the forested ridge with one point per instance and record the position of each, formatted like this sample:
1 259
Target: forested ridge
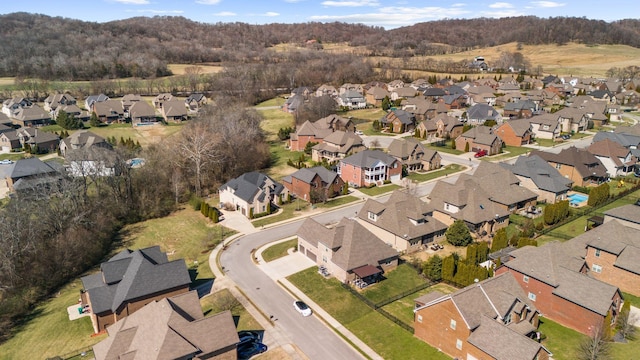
56 48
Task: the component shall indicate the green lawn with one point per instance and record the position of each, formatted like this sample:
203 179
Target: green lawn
273 120
276 101
399 280
12 156
279 158
403 308
342 200
561 341
278 250
385 337
509 152
215 303
296 208
545 142
379 190
434 174
635 300
446 148
580 135
362 115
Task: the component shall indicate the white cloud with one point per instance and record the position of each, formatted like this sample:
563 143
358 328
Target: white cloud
293 1
352 3
501 5
501 13
151 11
133 2
271 13
547 4
392 17
208 2
225 13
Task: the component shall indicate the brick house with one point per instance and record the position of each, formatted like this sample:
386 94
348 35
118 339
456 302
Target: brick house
448 126
348 251
337 145
404 222
375 95
141 113
479 138
307 180
492 319
108 111
130 280
174 327
578 165
318 130
515 132
399 121
556 281
369 167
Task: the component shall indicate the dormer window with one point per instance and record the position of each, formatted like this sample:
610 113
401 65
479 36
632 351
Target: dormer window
372 216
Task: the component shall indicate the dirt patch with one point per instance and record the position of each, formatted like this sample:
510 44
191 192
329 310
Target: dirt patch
426 254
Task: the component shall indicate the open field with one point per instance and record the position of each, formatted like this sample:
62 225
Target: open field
180 69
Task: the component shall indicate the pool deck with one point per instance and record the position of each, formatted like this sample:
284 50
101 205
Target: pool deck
577 204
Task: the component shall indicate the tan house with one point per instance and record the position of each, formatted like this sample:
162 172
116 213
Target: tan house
160 99
492 320
174 111
578 165
404 222
141 113
375 95
317 130
399 121
252 193
130 280
348 251
413 155
448 126
337 145
479 138
171 328
538 176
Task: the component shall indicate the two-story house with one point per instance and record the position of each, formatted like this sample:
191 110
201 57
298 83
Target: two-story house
369 167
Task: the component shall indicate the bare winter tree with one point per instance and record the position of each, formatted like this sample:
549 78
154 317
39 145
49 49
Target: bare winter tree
197 145
596 347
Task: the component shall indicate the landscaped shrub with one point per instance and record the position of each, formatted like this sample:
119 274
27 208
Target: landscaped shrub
500 240
195 202
582 189
458 234
466 147
598 195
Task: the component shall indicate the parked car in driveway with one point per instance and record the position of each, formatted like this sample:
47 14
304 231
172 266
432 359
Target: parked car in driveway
247 336
302 308
247 350
480 153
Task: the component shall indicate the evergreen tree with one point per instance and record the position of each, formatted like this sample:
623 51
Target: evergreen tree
500 240
213 215
466 147
416 133
458 234
448 268
432 268
472 254
386 103
94 121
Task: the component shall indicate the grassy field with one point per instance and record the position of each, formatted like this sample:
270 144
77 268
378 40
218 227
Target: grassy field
383 336
635 300
213 304
403 308
546 142
273 120
277 251
449 169
339 201
379 190
279 158
509 152
180 69
446 148
399 280
289 211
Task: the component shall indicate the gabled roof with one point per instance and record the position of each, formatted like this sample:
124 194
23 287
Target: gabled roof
482 112
353 245
617 239
404 215
368 158
377 92
607 148
30 167
108 108
197 97
624 139
141 109
309 128
307 175
629 213
83 138
500 184
342 139
405 117
481 135
171 328
95 98
31 113
402 148
131 275
519 126
174 108
520 105
582 160
543 175
252 185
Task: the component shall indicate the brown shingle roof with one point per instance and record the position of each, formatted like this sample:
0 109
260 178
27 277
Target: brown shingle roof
582 160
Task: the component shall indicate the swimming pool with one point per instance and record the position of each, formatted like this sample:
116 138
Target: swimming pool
576 198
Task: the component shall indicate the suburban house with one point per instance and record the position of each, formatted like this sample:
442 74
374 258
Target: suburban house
628 215
369 167
27 175
130 280
326 90
538 176
5 120
629 141
252 193
174 110
404 222
403 93
413 155
31 116
421 108
448 126
520 109
293 103
611 253
503 187
171 328
545 126
578 165
467 201
399 121
9 141
348 251
141 113
128 100
52 102
337 145
572 120
375 95
88 102
318 130
316 183
108 111
72 110
38 141
195 101
479 113
479 138
81 139
427 129
492 319
555 279
617 159
160 99
12 105
515 132
303 91
352 100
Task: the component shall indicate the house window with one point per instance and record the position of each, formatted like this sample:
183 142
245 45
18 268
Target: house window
507 320
452 324
525 278
558 166
597 252
446 206
372 216
532 296
596 268
419 318
458 344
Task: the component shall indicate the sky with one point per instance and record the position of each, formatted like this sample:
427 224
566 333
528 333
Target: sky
386 13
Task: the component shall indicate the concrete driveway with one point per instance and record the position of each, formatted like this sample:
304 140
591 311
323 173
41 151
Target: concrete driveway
238 222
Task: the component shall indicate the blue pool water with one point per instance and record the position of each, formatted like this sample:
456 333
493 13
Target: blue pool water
136 162
577 198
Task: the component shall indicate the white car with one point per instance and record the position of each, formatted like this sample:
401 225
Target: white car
359 132
302 308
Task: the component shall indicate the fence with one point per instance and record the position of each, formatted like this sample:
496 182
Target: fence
378 306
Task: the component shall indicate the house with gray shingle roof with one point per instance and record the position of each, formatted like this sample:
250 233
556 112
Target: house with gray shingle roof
170 328
618 160
479 113
479 138
578 165
27 176
413 155
375 94
538 176
252 193
572 120
315 131
404 222
108 111
130 280
337 145
141 113
88 102
492 319
352 100
545 126
195 101
31 116
629 215
52 101
348 251
515 132
555 278
369 167
399 121
174 110
314 184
